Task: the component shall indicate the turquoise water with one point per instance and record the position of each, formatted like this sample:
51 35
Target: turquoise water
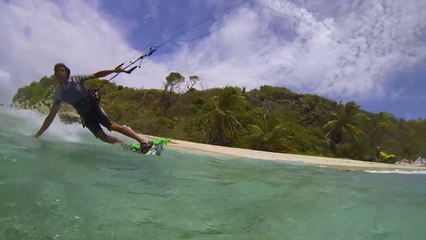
67 185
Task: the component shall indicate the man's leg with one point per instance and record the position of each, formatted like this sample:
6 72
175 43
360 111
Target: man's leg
108 138
96 129
103 119
127 132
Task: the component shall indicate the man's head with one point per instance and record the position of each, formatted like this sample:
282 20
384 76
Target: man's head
62 72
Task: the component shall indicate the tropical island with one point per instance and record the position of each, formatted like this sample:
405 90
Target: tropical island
272 119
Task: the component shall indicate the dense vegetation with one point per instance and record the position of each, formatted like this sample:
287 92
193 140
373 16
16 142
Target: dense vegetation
269 118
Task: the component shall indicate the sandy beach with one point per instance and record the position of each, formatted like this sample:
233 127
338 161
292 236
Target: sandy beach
338 163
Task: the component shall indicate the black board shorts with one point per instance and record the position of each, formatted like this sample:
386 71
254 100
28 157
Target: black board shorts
93 118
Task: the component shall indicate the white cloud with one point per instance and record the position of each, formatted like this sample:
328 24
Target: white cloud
355 49
37 34
348 50
231 55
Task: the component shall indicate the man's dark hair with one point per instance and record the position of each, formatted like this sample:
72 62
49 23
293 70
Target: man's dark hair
59 65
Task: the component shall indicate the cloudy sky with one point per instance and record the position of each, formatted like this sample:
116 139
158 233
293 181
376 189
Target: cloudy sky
371 52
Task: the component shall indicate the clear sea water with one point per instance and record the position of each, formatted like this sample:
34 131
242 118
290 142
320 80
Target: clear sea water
67 185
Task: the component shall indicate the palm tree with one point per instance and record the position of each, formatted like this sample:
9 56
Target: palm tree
269 134
345 123
222 119
381 123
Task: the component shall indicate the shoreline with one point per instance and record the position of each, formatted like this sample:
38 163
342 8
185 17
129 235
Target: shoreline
336 163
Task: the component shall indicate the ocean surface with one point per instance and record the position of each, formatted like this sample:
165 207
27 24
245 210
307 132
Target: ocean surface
68 185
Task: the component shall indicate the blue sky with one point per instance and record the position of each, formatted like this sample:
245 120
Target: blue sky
371 52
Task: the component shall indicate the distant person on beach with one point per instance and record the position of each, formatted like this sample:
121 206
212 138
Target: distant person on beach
378 150
71 89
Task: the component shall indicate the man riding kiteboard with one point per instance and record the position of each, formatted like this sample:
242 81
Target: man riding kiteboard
71 89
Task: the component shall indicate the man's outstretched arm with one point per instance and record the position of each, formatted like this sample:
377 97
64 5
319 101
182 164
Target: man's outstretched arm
53 111
105 73
100 74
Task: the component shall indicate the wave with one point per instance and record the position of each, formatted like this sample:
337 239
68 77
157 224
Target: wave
27 122
397 171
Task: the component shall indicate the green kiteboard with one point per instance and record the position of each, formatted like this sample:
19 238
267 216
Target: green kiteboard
157 147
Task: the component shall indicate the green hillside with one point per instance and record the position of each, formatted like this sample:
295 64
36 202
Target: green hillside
269 118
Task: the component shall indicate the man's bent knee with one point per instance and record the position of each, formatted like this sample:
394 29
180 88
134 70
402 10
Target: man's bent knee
115 127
